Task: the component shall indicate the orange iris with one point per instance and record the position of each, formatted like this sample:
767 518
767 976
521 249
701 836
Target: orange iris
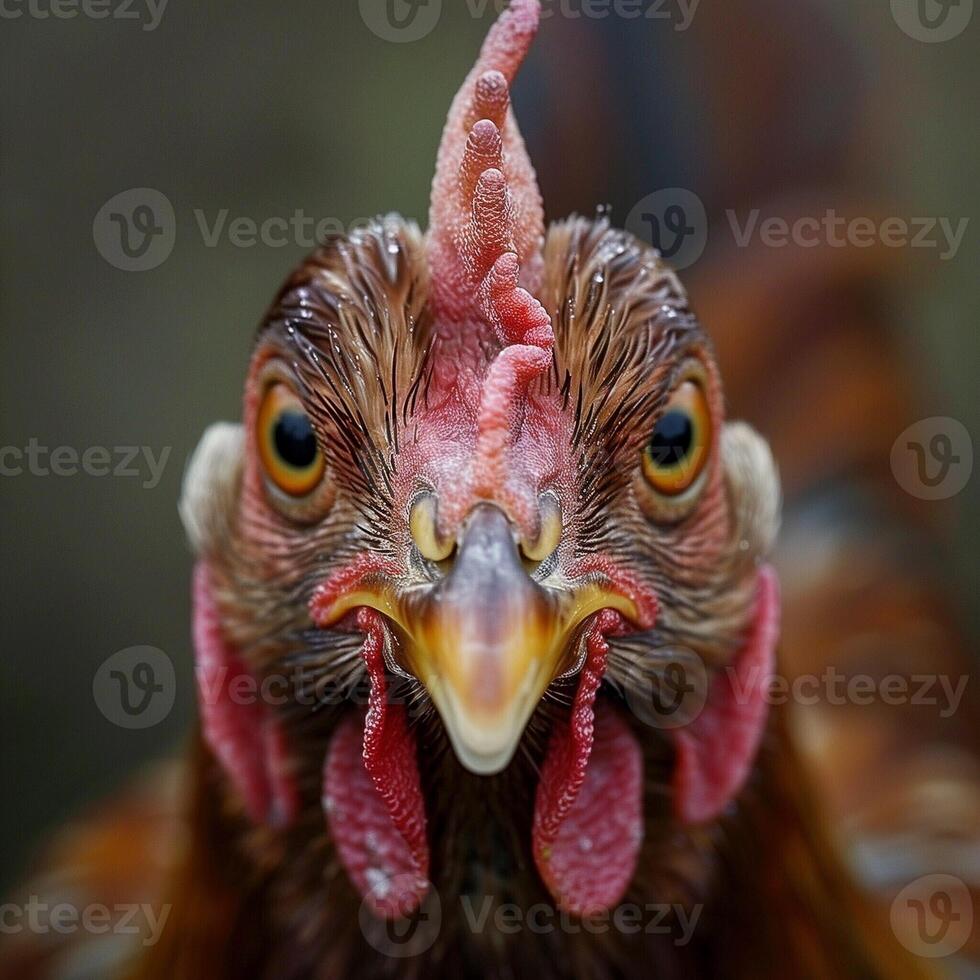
287 443
678 449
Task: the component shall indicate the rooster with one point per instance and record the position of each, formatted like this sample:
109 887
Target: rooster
483 620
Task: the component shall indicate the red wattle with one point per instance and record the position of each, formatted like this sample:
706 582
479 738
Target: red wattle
588 815
716 750
372 794
241 731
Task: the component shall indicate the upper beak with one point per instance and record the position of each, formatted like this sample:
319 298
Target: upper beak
487 640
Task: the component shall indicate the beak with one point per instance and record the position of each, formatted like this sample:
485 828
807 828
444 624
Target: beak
487 640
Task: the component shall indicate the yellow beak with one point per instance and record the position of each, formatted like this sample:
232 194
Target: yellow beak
487 640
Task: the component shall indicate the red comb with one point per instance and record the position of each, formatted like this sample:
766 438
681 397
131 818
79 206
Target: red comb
486 207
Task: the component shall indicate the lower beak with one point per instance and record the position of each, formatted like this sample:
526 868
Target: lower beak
487 640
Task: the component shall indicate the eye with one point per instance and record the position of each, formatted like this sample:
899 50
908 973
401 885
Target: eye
287 443
678 449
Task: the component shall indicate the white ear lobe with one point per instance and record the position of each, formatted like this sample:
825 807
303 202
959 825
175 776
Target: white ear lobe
753 486
208 499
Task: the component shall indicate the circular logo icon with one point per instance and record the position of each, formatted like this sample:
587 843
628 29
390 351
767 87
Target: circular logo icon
933 459
135 231
400 937
136 687
401 20
674 222
672 696
932 21
933 916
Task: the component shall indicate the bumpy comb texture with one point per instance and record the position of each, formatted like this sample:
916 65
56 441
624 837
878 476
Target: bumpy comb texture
486 221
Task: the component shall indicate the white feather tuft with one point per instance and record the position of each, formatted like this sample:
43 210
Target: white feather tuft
210 489
754 487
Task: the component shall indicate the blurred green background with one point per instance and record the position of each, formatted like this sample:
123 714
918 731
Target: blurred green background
261 109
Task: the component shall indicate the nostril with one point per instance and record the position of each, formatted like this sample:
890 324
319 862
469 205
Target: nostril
423 522
549 532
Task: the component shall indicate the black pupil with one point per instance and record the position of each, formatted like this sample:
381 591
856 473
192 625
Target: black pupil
295 441
672 438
